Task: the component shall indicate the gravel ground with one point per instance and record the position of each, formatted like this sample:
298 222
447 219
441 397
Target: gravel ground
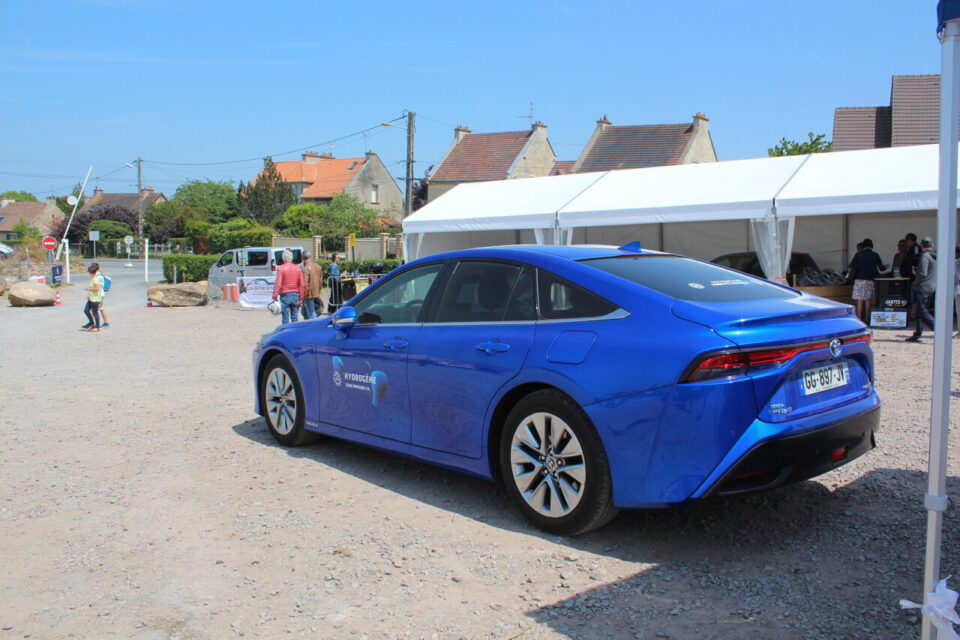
143 499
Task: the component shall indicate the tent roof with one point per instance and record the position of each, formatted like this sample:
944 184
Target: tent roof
710 191
529 203
893 179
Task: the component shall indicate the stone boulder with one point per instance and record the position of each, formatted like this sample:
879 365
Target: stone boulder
31 294
185 294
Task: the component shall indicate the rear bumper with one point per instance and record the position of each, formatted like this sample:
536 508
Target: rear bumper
793 458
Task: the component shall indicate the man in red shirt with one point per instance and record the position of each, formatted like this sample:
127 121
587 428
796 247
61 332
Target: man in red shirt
288 287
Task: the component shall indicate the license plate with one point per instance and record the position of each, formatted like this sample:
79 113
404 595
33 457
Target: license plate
825 378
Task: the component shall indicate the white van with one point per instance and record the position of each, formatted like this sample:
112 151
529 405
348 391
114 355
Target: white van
260 262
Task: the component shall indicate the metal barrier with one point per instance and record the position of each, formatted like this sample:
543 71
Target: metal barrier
344 287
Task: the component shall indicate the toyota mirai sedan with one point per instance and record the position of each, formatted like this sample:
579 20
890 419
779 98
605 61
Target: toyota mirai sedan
587 379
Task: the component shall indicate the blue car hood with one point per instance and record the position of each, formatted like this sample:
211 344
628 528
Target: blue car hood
778 321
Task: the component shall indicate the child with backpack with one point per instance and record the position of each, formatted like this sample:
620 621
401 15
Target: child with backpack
106 287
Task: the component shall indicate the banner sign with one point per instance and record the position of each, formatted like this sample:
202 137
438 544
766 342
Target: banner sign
888 319
56 274
256 292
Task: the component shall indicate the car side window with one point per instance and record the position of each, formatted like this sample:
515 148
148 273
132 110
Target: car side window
477 292
560 299
523 300
256 258
225 259
399 299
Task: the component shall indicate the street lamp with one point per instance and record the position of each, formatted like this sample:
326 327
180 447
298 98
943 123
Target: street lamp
408 191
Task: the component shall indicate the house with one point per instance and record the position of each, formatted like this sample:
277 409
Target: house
318 177
650 145
480 157
913 117
129 201
42 215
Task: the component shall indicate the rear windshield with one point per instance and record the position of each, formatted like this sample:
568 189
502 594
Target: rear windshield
688 279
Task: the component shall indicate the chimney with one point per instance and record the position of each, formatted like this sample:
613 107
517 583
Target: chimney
5 201
146 191
538 125
371 154
97 191
460 132
326 156
700 121
603 123
311 157
51 199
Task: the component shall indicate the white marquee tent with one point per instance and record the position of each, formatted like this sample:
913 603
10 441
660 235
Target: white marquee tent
703 210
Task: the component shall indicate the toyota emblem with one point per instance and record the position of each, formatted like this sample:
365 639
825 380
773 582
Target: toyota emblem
835 346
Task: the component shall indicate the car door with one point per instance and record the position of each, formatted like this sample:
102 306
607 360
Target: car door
220 273
475 339
363 372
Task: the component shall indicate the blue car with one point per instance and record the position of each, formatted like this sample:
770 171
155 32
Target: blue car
587 378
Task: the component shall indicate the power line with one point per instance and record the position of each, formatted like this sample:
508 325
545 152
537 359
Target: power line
312 146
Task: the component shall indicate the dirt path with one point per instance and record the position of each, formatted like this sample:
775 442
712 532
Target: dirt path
142 499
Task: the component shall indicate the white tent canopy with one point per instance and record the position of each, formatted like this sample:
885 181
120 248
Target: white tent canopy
693 208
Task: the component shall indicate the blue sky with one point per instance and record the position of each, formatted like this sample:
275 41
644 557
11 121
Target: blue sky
181 82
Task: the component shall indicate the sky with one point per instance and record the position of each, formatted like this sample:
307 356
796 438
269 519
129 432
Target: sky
205 89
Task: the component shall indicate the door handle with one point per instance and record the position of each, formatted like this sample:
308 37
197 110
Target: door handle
491 348
397 344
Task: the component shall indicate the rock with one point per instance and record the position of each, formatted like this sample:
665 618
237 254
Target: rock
185 294
5 283
31 294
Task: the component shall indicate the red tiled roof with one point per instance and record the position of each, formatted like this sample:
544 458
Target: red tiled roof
14 212
325 179
562 167
124 200
482 156
634 147
857 128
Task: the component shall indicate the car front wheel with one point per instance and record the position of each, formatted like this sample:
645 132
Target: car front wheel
554 466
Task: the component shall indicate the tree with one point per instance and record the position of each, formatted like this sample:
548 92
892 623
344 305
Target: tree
165 220
26 231
268 197
814 144
83 220
418 197
65 206
218 199
110 229
19 196
300 221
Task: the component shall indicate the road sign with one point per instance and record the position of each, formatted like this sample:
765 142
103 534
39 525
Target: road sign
94 236
352 239
49 242
127 240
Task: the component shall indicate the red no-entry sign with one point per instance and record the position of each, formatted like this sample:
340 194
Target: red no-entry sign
49 242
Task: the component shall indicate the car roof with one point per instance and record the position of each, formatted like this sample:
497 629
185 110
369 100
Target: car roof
532 251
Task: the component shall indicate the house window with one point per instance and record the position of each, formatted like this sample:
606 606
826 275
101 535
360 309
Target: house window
374 194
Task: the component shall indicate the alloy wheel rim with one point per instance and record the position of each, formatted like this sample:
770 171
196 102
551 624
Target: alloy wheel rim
281 400
547 464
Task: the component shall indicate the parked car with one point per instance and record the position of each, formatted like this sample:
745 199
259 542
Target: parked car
588 379
260 262
747 262
5 251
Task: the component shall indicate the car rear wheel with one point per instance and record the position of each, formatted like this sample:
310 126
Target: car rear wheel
554 466
282 400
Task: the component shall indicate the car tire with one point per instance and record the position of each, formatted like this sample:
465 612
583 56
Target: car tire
554 466
281 398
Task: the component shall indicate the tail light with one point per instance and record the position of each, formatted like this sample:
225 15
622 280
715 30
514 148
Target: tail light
738 363
273 264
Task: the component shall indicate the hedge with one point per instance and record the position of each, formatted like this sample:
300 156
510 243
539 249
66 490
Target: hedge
222 240
190 268
365 266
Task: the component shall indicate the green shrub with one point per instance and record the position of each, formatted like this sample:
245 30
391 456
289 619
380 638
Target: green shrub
364 266
190 268
228 236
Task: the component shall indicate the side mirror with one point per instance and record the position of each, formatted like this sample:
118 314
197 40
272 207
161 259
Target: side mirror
345 319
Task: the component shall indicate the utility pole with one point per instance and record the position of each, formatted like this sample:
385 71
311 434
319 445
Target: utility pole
408 193
140 198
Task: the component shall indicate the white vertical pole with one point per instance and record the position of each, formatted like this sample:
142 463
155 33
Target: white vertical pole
66 246
935 499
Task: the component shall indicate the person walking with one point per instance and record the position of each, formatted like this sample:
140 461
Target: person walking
94 297
866 266
924 286
288 287
312 283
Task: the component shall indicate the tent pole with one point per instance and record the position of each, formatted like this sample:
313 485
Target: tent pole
935 501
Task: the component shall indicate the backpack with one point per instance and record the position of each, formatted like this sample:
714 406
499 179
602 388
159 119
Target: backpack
106 282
